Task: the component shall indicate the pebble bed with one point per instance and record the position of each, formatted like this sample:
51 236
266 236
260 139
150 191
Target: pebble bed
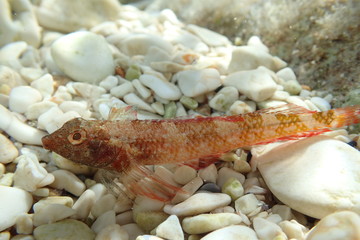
166 69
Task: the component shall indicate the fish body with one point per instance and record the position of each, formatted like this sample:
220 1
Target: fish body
125 144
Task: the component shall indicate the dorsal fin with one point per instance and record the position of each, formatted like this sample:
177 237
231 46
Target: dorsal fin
122 113
285 109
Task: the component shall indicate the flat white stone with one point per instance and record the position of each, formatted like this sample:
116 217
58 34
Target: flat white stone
52 213
193 83
84 204
22 97
83 56
293 229
68 181
339 225
44 84
199 203
267 230
123 89
62 200
170 229
13 203
250 57
232 232
8 151
36 109
257 84
204 223
161 87
211 38
319 176
104 204
246 204
224 99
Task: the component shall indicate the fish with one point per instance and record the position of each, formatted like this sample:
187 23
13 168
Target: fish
128 145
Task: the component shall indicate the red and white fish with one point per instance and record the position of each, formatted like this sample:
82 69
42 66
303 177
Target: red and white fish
128 145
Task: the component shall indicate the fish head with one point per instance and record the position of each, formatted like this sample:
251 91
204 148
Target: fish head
82 141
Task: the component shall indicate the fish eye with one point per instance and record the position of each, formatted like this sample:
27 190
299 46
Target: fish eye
77 137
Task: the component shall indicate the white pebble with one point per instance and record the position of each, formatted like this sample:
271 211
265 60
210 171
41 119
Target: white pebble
193 83
170 229
211 38
68 181
24 224
246 204
297 101
257 84
255 57
283 210
103 220
78 106
14 202
52 213
226 173
23 96
133 230
121 90
8 151
99 190
30 175
161 87
198 203
35 110
321 103
124 218
158 107
109 82
141 89
88 91
112 232
104 204
189 189
209 174
293 229
224 99
134 100
84 204
232 232
61 200
184 174
267 230
83 56
321 186
240 107
256 42
45 85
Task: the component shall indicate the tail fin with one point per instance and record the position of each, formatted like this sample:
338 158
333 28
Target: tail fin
346 116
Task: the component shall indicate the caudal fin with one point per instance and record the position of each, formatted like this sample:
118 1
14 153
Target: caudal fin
346 116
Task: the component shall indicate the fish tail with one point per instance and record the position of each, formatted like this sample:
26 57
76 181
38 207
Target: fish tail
346 116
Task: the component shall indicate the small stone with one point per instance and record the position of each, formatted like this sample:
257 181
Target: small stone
35 110
225 173
193 83
232 232
104 204
224 99
45 85
30 175
338 225
156 54
105 219
170 229
51 213
14 202
255 57
24 224
210 187
133 72
199 203
81 107
297 101
134 100
280 95
22 97
293 229
246 204
288 81
241 107
84 205
59 200
283 210
149 220
255 41
8 152
109 82
141 89
209 174
211 38
321 103
189 102
315 195
68 181
133 230
162 88
112 232
170 110
83 56
188 190
124 218
65 229
233 188
184 174
257 84
209 222
71 166
267 230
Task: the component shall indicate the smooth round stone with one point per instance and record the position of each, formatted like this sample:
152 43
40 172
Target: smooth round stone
236 232
250 57
170 229
193 83
337 226
319 176
83 56
13 203
22 97
8 151
161 87
257 84
65 229
209 222
199 203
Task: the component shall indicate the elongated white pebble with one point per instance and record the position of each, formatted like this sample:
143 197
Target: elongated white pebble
99 190
20 131
84 204
62 200
104 220
68 181
52 213
104 204
133 99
